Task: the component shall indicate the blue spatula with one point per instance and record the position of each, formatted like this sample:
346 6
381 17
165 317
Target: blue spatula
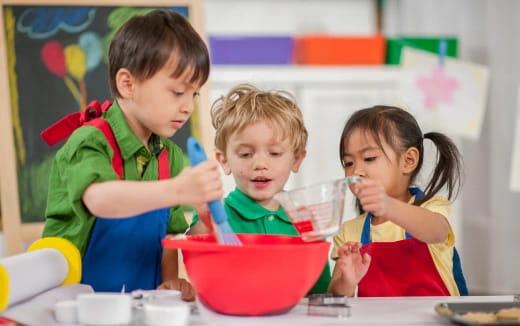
225 234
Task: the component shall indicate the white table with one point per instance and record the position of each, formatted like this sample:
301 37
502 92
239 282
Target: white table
364 311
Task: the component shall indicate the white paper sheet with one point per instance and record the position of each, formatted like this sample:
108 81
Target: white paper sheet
449 98
39 310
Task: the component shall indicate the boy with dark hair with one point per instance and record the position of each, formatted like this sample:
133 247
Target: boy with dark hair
117 185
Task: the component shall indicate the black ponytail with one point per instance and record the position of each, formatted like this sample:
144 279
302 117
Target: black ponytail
447 170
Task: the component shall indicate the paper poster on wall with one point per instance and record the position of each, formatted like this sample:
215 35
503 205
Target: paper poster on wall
444 94
515 163
325 112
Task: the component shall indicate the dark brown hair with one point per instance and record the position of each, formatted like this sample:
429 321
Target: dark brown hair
144 44
400 131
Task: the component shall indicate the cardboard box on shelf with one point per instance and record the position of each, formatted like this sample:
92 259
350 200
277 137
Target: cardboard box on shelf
430 44
251 50
340 50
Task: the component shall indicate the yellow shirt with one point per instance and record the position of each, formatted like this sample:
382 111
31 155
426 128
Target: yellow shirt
442 253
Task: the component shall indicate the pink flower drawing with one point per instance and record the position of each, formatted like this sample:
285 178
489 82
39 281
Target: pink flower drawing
437 88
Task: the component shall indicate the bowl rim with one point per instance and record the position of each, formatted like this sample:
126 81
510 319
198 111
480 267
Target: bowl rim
197 243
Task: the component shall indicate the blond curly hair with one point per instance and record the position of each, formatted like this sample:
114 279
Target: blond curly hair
245 104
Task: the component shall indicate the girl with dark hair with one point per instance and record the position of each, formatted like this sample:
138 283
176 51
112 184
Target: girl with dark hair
402 244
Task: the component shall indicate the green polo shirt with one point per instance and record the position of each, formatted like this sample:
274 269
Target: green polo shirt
86 158
246 216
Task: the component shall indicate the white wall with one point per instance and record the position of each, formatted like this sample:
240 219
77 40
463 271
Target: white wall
488 34
288 17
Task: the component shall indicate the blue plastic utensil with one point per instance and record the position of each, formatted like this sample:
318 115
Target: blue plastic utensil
225 234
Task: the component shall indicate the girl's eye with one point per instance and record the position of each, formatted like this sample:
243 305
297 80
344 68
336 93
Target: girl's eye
348 164
276 154
244 155
370 159
178 93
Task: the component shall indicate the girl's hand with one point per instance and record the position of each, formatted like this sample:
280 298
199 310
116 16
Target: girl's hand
198 184
187 291
352 265
372 197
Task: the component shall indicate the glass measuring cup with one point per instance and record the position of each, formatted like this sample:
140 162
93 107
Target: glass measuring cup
316 211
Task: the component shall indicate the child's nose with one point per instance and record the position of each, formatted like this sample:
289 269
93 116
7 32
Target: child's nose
188 106
260 161
359 171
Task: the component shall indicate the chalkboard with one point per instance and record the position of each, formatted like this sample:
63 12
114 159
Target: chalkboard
53 62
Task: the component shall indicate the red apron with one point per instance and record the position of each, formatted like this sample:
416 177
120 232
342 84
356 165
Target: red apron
400 268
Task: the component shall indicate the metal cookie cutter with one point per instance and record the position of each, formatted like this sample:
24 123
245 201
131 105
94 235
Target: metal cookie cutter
328 305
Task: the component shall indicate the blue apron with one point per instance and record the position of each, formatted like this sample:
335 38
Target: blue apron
126 252
457 266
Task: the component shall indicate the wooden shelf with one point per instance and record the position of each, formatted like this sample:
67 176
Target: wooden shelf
224 74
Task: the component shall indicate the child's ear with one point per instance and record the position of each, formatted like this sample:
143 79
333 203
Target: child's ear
298 161
409 160
125 83
221 158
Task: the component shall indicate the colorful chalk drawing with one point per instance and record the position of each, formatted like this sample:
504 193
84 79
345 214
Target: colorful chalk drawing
515 162
450 98
45 22
56 64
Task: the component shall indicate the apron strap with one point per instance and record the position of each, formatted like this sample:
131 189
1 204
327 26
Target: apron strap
458 275
164 165
117 158
66 125
92 117
365 234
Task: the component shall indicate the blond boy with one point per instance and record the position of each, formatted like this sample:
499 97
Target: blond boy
260 139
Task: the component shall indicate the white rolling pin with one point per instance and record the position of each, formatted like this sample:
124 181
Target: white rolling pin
48 263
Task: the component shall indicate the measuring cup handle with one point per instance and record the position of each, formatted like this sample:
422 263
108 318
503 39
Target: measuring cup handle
352 179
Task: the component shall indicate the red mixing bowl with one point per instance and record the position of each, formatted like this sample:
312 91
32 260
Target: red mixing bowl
268 274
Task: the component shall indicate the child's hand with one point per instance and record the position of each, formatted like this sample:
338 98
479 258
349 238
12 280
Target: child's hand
372 197
199 184
187 291
352 265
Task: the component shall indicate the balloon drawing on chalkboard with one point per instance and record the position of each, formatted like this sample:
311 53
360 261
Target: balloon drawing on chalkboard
75 61
53 56
72 63
91 44
56 63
